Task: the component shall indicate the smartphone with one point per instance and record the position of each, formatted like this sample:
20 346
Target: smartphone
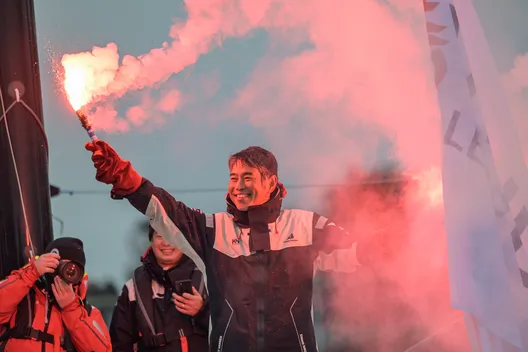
182 286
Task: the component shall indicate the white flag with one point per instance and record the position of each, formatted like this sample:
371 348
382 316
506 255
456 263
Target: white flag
485 182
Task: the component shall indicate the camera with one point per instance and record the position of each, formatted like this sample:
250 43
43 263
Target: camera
71 272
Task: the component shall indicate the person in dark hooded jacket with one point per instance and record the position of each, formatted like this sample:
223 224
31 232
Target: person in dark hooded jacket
164 306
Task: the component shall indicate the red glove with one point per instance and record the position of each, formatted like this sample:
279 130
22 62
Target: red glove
111 169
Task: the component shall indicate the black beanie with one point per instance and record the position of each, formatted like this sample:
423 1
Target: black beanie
68 248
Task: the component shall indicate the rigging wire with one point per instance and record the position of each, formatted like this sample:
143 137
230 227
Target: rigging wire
60 221
35 117
29 242
73 192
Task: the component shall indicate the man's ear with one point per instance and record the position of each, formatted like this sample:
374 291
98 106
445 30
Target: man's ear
273 180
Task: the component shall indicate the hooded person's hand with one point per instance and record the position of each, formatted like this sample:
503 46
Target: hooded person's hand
189 304
47 263
63 292
112 169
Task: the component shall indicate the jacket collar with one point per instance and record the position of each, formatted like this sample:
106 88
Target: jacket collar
265 213
257 218
155 270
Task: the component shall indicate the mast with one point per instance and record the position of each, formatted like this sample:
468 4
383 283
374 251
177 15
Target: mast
27 229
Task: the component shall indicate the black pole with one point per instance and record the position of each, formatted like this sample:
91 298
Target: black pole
24 137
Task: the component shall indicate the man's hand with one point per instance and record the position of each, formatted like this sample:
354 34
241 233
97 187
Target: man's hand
112 169
188 304
63 292
47 263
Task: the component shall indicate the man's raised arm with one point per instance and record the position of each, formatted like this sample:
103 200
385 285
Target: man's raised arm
180 226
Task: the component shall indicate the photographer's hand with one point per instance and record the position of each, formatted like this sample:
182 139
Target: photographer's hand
47 263
188 304
63 292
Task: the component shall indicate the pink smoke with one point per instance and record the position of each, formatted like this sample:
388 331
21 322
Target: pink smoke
368 67
98 77
365 53
365 77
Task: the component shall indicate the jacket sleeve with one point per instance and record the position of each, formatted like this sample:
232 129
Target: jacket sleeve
179 225
14 288
327 236
88 332
344 250
201 319
123 327
337 248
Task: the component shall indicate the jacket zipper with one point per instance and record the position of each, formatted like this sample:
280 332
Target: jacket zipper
261 305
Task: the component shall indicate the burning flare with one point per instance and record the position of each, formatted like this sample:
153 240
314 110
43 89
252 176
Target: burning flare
88 75
78 86
75 86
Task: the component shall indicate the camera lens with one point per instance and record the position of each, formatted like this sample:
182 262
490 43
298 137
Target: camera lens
70 272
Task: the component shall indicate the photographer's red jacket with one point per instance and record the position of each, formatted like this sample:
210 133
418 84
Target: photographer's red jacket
36 325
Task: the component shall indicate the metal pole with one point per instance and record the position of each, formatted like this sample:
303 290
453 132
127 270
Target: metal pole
25 210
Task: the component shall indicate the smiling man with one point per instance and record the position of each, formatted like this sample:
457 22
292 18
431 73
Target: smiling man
258 258
246 183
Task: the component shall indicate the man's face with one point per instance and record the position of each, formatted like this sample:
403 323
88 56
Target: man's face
247 187
166 255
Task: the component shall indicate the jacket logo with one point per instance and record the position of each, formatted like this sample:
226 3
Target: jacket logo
290 238
236 240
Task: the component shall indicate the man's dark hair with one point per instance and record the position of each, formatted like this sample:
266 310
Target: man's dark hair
256 157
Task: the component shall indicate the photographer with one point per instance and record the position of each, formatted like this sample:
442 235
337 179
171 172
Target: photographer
164 306
44 304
